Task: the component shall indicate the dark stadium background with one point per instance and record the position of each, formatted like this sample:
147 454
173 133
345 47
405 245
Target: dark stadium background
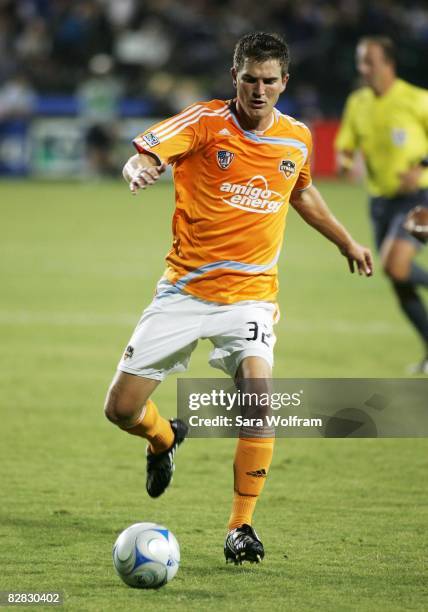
154 57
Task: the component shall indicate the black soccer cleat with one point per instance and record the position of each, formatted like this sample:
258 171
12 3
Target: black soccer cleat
242 544
160 467
420 368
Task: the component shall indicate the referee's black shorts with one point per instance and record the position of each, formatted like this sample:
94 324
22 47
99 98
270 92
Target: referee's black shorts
388 216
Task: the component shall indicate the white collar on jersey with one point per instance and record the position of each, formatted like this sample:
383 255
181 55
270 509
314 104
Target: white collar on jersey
261 132
274 119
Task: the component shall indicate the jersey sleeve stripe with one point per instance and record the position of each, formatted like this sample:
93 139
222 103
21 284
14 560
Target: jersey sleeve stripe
142 148
179 117
163 130
170 134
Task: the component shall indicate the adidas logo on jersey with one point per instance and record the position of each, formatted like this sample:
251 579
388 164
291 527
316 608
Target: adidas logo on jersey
258 473
224 132
251 197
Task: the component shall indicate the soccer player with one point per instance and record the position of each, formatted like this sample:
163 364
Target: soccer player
387 120
237 164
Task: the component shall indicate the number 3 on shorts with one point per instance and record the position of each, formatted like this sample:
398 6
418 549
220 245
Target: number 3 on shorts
257 330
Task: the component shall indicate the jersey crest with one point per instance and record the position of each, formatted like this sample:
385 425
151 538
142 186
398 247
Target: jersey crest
398 137
224 159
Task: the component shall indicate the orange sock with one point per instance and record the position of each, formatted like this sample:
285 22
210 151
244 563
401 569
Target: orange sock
152 426
252 460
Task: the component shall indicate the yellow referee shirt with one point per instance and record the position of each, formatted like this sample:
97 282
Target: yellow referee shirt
390 130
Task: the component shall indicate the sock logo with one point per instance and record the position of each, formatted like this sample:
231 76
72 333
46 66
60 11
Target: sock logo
258 473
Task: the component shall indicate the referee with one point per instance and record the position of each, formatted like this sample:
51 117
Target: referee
387 120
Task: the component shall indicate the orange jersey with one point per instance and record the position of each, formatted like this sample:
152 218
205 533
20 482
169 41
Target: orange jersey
232 190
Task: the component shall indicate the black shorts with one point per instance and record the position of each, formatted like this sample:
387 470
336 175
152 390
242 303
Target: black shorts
388 215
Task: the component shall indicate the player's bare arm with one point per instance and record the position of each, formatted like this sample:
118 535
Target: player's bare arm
311 206
142 170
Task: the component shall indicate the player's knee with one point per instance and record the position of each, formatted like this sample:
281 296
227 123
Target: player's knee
396 271
119 408
253 368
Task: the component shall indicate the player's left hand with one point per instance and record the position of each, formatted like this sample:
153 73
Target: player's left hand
409 180
145 176
358 257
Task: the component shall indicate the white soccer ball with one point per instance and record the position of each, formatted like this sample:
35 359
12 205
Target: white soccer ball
146 555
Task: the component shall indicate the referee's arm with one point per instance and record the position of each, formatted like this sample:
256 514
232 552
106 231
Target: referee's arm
409 180
344 163
346 141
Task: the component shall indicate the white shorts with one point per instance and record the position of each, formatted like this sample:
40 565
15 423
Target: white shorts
172 324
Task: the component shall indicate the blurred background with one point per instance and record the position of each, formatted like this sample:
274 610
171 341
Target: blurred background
79 78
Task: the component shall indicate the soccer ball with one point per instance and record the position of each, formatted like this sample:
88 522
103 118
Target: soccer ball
417 223
146 555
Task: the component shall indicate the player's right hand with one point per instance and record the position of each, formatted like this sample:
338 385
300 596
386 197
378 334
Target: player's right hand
145 177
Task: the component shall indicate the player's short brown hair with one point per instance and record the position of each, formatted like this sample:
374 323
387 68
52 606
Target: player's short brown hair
385 43
260 47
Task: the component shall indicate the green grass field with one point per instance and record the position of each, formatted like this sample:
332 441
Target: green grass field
344 522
